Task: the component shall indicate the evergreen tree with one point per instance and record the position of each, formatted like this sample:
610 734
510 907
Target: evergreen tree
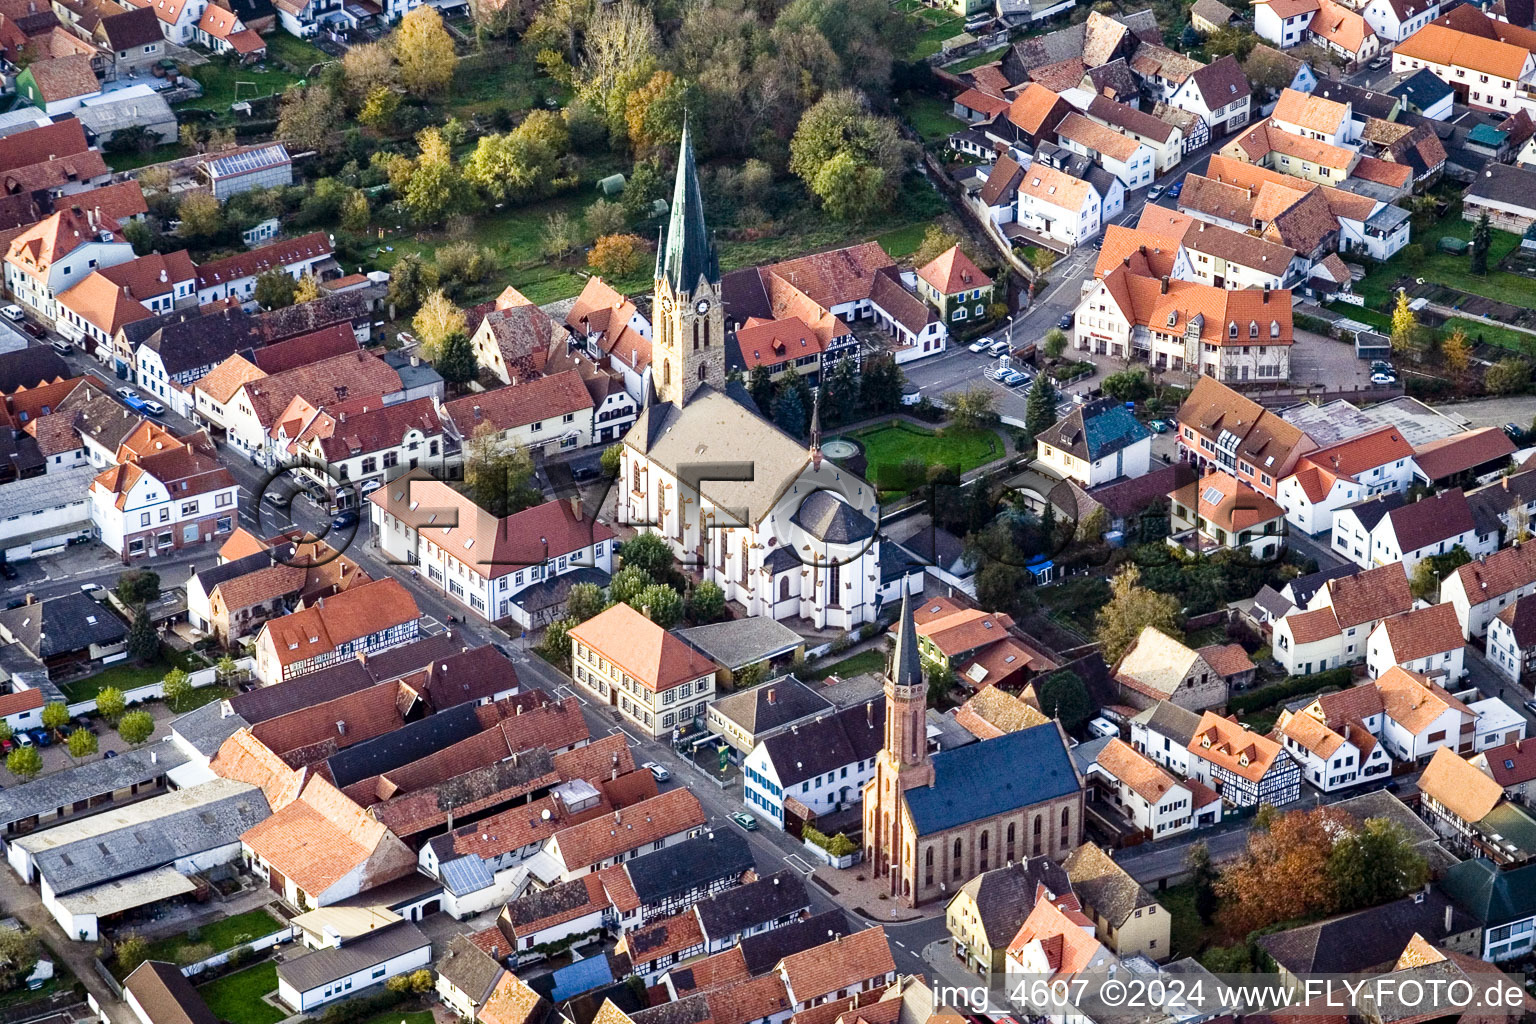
1040 410
760 387
1482 239
789 412
143 638
456 361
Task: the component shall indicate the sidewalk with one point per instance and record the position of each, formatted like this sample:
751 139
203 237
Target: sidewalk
23 902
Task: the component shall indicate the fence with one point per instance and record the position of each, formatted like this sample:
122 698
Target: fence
35 1008
284 934
846 861
156 690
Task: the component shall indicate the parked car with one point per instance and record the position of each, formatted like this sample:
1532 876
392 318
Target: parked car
1382 366
125 393
1065 323
659 772
1013 378
1383 378
1175 189
345 520
25 740
1001 348
135 403
1514 432
36 330
91 588
745 820
63 348
1154 193
154 408
42 737
1379 63
8 571
6 746
980 345
13 313
1158 427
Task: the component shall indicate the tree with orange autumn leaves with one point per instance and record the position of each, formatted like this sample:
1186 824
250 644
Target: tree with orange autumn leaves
1307 864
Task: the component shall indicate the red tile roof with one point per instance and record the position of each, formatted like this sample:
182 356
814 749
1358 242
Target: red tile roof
651 821
325 625
952 272
844 962
279 254
652 656
1423 632
517 405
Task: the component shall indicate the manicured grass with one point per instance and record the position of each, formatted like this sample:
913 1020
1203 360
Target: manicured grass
237 997
216 937
903 242
1504 337
930 116
972 63
865 661
130 675
128 161
940 25
299 55
891 444
1443 268
502 78
221 82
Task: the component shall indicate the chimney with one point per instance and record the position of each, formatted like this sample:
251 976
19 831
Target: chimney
773 697
869 713
415 359
1266 295
154 757
1164 285
576 505
31 599
645 610
1449 908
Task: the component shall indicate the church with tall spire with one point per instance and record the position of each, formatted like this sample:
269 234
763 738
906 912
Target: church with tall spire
935 819
785 532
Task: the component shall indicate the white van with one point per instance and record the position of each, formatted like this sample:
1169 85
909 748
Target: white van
1103 727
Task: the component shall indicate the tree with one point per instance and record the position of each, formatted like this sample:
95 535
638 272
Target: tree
379 108
437 187
81 744
1127 386
1055 342
437 318
585 600
310 117
456 362
1482 238
881 385
424 50
421 981
1203 877
140 235
651 554
750 675
18 957
1374 864
6 732
175 688
556 645
367 68
354 211
1239 42
559 236
612 459
225 671
653 113
1189 39
851 158
1508 376
1404 323
1041 260
275 288
617 255
410 279
201 215
706 602
135 727
522 163
789 413
24 763
138 586
646 185
1268 68
1093 526
132 950
936 242
1131 609
143 639
618 55
606 218
1063 696
1283 872
660 603
1040 408
626 584
974 409
308 289
55 715
498 474
1456 350
110 704
761 387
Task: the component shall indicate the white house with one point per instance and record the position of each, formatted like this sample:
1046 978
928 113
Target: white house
1064 209
361 443
1488 71
1380 462
823 764
1314 117
178 18
1283 22
1333 627
1396 20
1425 640
1162 733
1389 528
157 504
519 567
1512 639
1498 724
346 966
1128 160
234 277
111 297
58 252
1153 800
1332 759
1217 92
1488 586
1419 717
1096 443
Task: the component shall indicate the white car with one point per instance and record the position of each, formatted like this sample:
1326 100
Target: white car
13 313
91 588
154 408
1383 379
980 345
125 393
659 772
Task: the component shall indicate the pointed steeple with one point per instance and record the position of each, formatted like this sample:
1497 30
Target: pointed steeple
688 255
816 430
906 666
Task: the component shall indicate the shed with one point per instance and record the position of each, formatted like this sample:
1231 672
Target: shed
611 185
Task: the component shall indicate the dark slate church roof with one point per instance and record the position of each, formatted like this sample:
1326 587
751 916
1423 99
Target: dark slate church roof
688 254
828 517
984 780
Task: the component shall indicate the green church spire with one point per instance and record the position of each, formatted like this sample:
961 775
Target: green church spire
688 254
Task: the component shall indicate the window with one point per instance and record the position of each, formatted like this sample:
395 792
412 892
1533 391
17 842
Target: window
189 508
144 519
165 514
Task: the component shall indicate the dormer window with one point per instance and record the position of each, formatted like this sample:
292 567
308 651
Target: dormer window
1232 329
1253 328
1173 318
1206 742
1274 328
1242 759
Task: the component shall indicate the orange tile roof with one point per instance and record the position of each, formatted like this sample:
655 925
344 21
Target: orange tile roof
952 272
1458 786
828 278
17 701
963 629
1316 113
516 405
1355 703
37 248
651 655
1066 937
1226 743
647 822
1313 735
774 342
759 999
1350 458
223 381
713 972
510 1002
662 939
1423 632
1412 701
1261 318
1144 777
1447 47
246 759
1145 253
1055 187
1096 138
103 304
277 254
1340 26
46 142
241 543
1033 106
1500 573
325 625
1226 659
1227 502
1289 8
844 962
61 78
1310 627
982 102
322 836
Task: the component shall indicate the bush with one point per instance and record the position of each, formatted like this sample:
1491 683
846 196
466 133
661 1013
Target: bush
1269 696
837 846
1315 324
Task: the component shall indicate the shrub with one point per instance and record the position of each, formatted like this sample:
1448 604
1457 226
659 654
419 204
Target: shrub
1296 686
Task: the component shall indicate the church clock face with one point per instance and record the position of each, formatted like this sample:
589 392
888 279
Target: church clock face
701 307
666 304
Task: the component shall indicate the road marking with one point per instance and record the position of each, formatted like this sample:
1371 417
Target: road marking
620 729
799 863
898 942
563 690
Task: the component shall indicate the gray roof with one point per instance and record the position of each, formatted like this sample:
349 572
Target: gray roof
804 751
829 517
1501 183
61 625
1367 940
747 906
206 728
399 747
1005 896
983 780
469 968
1095 430
773 705
764 950
412 375
1168 719
690 864
31 366
1086 753
47 793
115 115
1421 89
906 666
55 487
739 642
323 966
268 702
125 841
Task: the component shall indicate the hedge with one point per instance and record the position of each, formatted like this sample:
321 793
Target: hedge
1269 696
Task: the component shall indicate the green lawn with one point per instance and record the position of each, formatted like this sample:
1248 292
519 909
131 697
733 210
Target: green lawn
224 85
903 242
1452 271
236 998
299 55
1187 933
865 661
887 446
1504 337
1206 637
214 938
128 161
930 116
131 674
1075 602
939 26
972 63
396 1017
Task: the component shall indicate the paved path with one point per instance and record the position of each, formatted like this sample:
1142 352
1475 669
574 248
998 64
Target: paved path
23 902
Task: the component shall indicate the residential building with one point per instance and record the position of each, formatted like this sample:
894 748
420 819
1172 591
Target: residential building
657 682
1163 732
1504 194
917 838
1512 640
1330 628
176 495
1157 668
846 966
1266 145
1065 211
1325 480
52 256
93 311
1472 456
1057 941
252 415
652 824
1513 766
1501 901
1166 141
1370 940
1468 808
232 599
1134 164
1125 916
1156 804
222 31
1420 717
747 718
549 414
1219 427
58 85
362 621
1096 443
157 992
1389 529
234 277
352 448
1341 30
986 912
1286 23
736 644
1396 20
1218 93
179 352
68 632
976 646
338 970
1219 511
1425 640
814 770
954 286
1487 63
1332 759
513 342
1243 767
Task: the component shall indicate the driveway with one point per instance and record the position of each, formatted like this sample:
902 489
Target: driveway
1317 361
23 903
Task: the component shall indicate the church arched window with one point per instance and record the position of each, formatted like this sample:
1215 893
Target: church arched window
703 373
695 335
706 334
666 373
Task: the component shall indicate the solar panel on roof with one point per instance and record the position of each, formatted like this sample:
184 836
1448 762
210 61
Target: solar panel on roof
1212 496
466 875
